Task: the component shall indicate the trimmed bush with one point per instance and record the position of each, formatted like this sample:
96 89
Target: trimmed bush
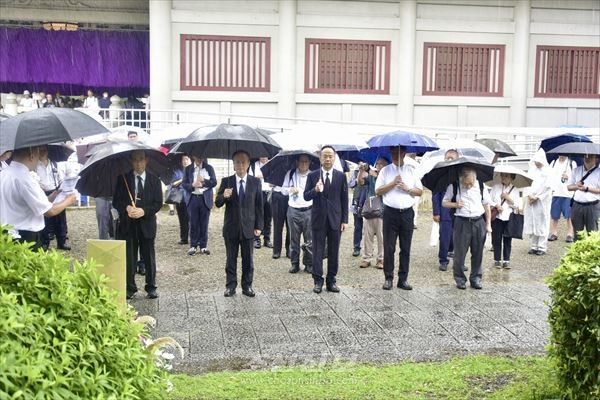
575 319
63 335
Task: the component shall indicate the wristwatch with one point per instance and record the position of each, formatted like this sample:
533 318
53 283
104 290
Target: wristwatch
587 189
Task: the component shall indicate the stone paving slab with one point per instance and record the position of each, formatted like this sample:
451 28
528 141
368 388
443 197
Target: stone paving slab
357 325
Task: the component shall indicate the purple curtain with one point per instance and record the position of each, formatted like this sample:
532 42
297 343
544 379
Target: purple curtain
72 62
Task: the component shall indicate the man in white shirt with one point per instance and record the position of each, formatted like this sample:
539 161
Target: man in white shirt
266 191
298 212
26 101
23 203
398 185
471 223
585 182
562 169
90 101
51 178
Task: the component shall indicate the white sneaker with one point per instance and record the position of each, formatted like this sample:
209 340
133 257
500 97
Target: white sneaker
192 251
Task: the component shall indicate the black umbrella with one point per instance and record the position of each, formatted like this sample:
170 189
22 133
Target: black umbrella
223 140
46 125
275 169
98 177
447 172
58 152
501 148
577 149
555 141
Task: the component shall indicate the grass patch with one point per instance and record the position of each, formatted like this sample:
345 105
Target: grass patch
476 377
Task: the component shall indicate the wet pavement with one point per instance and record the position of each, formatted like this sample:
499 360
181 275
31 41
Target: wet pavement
357 325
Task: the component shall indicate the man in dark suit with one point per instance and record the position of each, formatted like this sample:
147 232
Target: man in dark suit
328 190
137 198
242 196
198 182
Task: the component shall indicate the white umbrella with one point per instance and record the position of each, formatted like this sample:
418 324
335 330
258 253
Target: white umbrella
311 135
521 178
464 147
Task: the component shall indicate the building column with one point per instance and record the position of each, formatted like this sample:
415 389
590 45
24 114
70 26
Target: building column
160 58
520 64
405 60
286 108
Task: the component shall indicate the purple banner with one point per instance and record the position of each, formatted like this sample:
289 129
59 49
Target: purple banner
72 62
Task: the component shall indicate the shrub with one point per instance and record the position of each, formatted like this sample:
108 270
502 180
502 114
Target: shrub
575 319
63 335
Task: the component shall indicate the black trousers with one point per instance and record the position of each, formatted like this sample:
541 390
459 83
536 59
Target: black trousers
266 232
332 235
134 241
498 240
585 216
279 207
31 237
358 228
232 246
184 221
55 226
398 225
199 216
468 234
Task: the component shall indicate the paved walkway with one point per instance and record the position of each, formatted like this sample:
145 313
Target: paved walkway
360 325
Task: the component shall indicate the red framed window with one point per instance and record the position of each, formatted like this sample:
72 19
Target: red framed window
562 71
455 69
236 63
347 66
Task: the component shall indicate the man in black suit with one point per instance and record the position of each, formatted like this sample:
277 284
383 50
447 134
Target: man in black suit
138 197
242 195
328 189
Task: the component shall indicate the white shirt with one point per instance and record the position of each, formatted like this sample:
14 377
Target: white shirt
299 181
396 197
593 180
3 164
26 102
200 171
472 203
91 102
507 208
237 183
143 176
50 176
558 168
266 187
22 200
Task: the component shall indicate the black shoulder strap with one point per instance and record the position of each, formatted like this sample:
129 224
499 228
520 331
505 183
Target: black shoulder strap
481 189
588 173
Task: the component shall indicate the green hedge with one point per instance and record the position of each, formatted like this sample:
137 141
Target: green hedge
62 334
575 319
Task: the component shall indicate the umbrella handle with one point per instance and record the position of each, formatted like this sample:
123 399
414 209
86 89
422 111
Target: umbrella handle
128 191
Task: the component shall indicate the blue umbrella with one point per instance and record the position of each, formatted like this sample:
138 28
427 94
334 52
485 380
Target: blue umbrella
368 155
555 141
413 142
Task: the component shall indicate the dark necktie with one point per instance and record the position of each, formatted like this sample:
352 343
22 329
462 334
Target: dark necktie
241 192
140 191
327 182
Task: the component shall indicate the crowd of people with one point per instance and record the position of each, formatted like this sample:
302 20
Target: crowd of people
311 209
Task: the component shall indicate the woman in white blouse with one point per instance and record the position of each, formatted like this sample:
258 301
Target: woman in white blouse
506 199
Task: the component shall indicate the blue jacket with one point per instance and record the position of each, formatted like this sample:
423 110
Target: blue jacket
436 203
188 179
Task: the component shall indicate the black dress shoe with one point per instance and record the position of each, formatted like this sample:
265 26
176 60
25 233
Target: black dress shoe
152 294
318 288
294 269
532 251
276 255
333 288
356 253
257 244
141 269
461 285
268 243
387 285
476 285
404 285
248 292
229 292
65 247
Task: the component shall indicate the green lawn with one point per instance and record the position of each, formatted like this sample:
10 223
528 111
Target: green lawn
477 377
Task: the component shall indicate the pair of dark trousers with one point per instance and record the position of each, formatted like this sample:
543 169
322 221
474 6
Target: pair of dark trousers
103 206
446 242
500 243
184 221
299 223
398 225
266 232
358 228
584 216
34 238
199 215
55 226
469 233
232 246
279 207
332 235
134 241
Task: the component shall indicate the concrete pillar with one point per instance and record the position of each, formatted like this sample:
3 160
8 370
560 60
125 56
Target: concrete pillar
10 107
405 61
114 113
286 108
160 58
520 64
